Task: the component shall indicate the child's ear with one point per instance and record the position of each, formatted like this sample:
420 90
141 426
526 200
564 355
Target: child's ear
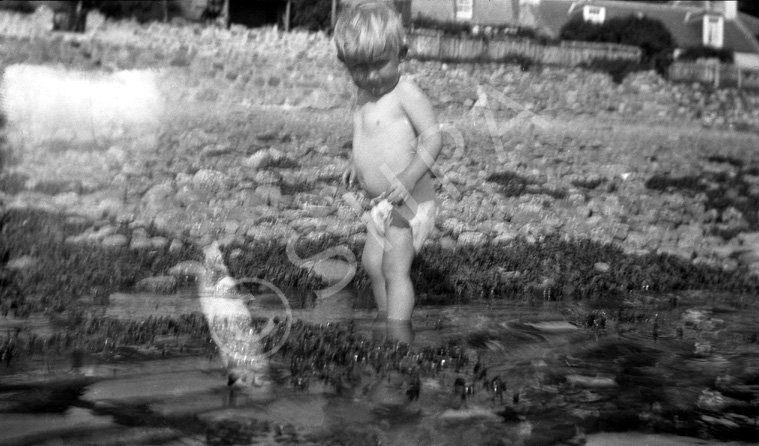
403 52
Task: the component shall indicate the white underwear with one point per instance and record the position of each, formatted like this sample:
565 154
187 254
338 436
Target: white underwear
421 224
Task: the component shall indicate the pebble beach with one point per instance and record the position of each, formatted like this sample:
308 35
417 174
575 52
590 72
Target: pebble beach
241 135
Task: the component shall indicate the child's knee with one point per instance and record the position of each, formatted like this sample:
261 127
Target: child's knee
397 264
372 264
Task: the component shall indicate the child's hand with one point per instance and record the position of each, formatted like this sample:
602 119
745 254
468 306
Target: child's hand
400 189
349 176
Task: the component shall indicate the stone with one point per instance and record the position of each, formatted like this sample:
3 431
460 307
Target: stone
230 239
749 239
453 226
602 267
447 242
21 263
231 226
250 198
620 231
683 254
522 218
303 223
212 180
66 199
259 160
115 241
157 196
471 238
140 243
320 99
504 238
176 246
636 240
187 268
267 177
212 150
748 257
158 285
159 242
725 251
689 236
270 193
331 270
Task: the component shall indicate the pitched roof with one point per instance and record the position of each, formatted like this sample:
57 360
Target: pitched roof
751 22
678 18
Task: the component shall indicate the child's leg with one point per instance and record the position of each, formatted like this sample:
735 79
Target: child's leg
371 259
396 267
400 330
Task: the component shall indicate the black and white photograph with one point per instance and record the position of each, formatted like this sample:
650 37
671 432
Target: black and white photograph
379 223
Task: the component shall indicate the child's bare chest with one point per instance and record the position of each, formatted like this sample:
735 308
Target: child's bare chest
382 119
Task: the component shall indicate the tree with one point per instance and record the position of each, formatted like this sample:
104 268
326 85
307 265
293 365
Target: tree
750 7
142 11
650 35
313 15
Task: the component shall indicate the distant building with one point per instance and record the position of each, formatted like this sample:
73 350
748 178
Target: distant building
242 12
476 12
710 23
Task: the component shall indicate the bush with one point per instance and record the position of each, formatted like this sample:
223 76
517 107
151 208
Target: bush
455 28
18 6
707 52
650 35
142 11
313 15
447 27
618 69
530 33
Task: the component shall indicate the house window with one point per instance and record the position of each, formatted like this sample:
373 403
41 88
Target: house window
464 9
714 31
594 14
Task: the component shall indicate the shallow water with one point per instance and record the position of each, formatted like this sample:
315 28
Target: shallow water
648 369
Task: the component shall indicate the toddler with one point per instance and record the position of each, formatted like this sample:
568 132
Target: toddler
395 141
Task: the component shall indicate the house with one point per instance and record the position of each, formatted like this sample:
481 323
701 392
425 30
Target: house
709 23
475 12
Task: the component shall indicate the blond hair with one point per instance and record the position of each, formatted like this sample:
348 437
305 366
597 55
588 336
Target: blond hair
368 29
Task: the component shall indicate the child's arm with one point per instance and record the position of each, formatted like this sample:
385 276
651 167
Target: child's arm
429 143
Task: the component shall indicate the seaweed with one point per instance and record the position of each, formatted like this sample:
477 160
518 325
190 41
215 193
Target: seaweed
723 190
515 185
551 269
64 272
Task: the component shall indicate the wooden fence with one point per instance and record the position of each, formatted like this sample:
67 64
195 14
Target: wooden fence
437 46
719 75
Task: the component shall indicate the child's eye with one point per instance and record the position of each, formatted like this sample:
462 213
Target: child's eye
359 67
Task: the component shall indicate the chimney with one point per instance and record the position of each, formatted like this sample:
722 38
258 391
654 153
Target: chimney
730 9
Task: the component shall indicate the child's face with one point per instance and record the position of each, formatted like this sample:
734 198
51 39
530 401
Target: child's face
377 76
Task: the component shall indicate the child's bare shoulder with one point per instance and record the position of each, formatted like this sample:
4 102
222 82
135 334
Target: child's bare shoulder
415 103
409 89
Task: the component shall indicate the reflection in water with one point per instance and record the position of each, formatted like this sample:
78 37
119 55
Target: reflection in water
397 330
523 373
